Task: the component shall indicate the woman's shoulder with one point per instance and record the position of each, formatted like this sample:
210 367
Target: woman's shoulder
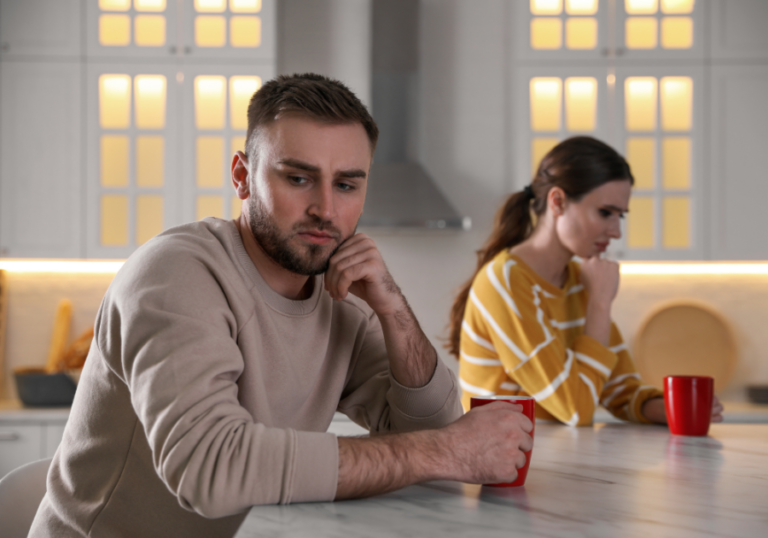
505 269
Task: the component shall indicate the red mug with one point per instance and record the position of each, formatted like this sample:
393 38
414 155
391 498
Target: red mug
529 410
688 401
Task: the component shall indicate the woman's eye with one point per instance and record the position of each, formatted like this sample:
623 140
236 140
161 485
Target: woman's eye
604 213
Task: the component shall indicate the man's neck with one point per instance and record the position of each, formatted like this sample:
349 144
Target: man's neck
288 284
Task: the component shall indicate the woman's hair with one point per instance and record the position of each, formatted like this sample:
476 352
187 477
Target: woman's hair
577 165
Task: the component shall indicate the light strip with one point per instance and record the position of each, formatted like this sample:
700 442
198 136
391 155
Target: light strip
62 266
694 268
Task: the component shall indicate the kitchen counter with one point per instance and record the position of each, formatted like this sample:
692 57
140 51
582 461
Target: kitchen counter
605 480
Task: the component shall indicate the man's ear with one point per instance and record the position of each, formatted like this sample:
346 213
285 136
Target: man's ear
240 175
556 201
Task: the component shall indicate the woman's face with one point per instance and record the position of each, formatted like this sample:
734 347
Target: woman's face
587 226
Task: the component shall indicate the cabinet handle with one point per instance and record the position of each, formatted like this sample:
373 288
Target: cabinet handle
9 436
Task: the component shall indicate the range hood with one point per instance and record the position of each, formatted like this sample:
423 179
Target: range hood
401 192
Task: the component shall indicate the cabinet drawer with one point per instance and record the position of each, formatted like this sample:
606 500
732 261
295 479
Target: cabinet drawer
19 444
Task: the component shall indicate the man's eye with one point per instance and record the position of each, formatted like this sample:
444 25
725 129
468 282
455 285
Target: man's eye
345 186
297 180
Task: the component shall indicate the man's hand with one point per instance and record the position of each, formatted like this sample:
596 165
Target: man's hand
484 446
357 268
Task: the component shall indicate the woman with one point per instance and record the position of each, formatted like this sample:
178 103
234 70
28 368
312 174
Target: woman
534 321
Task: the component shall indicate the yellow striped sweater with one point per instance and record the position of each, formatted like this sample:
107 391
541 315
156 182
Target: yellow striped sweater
522 335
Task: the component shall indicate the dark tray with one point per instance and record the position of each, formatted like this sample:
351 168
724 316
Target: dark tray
757 394
38 389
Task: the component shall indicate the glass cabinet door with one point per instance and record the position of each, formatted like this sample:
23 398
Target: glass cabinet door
660 29
137 28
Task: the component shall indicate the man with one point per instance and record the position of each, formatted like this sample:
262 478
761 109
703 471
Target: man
223 349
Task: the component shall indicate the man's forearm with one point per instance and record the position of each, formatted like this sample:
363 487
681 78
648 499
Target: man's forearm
371 466
412 357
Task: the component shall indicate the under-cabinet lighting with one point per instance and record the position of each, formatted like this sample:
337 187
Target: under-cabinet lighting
61 266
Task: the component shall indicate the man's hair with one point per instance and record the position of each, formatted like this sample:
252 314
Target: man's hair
314 96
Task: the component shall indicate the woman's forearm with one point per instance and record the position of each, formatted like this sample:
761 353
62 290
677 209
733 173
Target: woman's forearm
598 321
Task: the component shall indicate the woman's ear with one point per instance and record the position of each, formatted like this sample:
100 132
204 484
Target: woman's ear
556 201
240 175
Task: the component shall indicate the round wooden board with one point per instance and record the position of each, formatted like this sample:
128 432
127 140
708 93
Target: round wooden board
685 338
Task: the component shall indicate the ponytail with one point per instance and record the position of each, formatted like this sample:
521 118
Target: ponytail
513 225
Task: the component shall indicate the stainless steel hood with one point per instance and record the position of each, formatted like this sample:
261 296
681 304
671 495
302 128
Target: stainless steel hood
401 192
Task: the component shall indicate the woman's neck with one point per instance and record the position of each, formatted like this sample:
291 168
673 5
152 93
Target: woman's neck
546 255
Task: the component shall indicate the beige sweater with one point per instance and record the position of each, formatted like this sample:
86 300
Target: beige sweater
206 392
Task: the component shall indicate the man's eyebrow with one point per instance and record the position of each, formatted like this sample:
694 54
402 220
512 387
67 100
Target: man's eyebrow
353 173
301 165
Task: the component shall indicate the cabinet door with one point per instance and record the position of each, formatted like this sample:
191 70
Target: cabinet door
739 139
738 29
215 102
131 156
560 29
40 160
229 29
660 129
138 28
53 434
19 444
40 28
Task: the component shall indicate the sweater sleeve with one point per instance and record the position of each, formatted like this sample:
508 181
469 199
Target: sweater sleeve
165 328
373 398
506 313
624 394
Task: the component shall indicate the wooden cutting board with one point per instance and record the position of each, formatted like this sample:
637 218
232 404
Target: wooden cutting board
685 338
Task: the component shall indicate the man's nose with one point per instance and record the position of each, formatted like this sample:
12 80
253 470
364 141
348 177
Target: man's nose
322 202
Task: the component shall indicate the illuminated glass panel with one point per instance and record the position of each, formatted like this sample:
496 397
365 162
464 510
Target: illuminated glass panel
245 6
114 30
114 160
114 101
640 222
210 102
641 32
546 99
210 161
677 32
210 6
546 34
237 144
641 7
677 7
150 101
114 220
641 155
210 31
150 161
581 104
149 30
149 217
581 7
210 206
235 208
546 7
581 33
640 96
676 103
676 162
241 89
115 5
540 146
245 31
149 5
676 213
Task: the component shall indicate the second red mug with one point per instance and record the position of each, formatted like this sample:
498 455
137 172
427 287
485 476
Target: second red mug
688 401
529 410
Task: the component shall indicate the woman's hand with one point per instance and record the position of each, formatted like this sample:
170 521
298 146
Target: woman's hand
654 410
717 410
601 279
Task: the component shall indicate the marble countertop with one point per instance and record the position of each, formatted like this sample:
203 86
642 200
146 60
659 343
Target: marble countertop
606 480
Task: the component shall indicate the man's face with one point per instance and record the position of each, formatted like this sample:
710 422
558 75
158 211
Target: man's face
307 190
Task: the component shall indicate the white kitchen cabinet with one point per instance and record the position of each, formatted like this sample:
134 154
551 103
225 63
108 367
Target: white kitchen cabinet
738 30
41 189
739 135
48 28
19 444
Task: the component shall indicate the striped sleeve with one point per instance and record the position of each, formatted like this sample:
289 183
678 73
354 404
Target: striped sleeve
624 394
507 313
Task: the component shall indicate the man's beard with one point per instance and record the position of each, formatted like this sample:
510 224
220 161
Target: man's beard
277 245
